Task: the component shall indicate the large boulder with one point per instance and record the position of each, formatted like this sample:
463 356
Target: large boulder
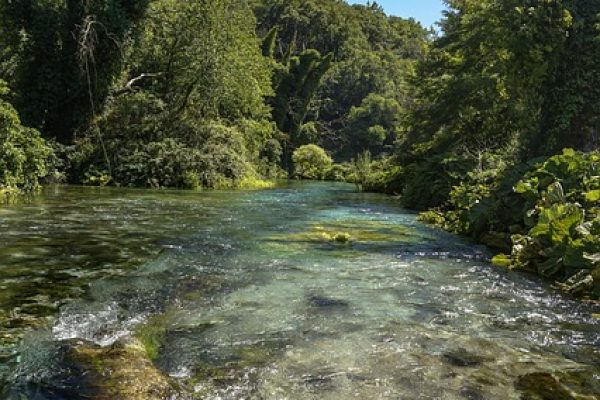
122 371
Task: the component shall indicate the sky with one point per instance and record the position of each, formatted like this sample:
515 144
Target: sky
426 11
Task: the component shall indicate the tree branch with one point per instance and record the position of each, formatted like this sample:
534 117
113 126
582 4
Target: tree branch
129 86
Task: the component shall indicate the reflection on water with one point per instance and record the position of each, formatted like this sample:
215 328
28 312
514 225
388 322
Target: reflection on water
310 291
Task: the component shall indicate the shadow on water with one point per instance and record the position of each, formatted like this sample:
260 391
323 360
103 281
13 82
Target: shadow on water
309 291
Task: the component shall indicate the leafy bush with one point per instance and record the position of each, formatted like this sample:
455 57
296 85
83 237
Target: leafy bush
23 153
385 177
167 163
382 175
224 155
135 143
214 155
546 215
338 173
362 169
311 162
470 207
562 234
138 116
428 183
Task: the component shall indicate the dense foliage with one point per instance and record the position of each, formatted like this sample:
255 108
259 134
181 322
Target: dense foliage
60 57
543 214
24 155
180 118
311 162
205 93
372 58
560 237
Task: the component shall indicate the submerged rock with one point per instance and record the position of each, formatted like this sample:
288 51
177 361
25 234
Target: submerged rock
326 302
471 393
122 371
351 231
341 237
545 386
463 358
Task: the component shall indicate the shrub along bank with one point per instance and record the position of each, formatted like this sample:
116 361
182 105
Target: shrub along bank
24 154
543 216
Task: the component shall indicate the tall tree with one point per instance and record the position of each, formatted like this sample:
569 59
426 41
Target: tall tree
63 56
483 82
205 57
372 54
571 111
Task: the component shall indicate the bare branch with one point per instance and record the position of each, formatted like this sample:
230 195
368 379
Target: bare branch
129 86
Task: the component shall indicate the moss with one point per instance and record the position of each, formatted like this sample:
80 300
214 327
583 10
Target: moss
9 195
342 237
248 182
252 182
544 386
242 359
122 371
200 290
152 334
345 232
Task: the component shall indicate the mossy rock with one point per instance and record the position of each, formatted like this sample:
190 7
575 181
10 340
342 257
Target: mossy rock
241 361
122 371
546 386
200 289
336 237
463 358
152 334
347 232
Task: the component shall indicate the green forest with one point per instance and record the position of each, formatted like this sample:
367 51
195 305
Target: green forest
488 126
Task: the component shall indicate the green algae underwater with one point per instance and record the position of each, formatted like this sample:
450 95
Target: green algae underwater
305 291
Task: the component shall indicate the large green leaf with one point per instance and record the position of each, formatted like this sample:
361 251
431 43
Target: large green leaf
523 187
593 196
556 194
562 226
556 222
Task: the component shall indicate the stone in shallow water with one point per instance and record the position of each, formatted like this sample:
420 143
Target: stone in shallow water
471 393
545 386
326 302
463 358
322 380
240 366
122 371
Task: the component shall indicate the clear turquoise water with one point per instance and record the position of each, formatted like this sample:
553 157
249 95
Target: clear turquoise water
257 301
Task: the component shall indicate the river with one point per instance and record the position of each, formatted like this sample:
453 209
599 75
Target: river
307 291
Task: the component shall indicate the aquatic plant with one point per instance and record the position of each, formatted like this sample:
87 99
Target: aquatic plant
151 334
